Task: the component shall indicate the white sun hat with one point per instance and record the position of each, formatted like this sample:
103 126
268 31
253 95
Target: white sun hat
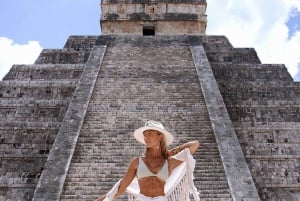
153 125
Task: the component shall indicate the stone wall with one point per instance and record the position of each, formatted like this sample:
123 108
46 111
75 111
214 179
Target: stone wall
263 102
167 18
179 27
142 78
76 51
33 102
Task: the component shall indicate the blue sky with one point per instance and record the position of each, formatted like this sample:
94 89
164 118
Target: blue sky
28 26
48 21
293 22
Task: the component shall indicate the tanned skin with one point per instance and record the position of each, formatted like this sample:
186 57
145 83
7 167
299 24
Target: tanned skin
152 186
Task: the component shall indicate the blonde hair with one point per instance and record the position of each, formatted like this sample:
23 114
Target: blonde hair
163 147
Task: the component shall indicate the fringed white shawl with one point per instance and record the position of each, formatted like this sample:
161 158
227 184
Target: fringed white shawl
178 187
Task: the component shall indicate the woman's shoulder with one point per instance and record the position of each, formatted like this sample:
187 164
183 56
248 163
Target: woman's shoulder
134 163
173 163
135 160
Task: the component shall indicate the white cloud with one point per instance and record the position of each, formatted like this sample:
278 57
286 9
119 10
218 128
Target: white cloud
12 53
260 24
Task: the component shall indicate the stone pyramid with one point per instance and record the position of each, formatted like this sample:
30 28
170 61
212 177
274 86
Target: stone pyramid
67 120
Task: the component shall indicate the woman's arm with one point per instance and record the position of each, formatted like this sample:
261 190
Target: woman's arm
127 179
193 146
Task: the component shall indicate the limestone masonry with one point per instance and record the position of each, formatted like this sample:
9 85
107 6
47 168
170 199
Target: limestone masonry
148 17
67 120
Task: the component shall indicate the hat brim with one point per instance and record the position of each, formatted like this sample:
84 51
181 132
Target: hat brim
139 134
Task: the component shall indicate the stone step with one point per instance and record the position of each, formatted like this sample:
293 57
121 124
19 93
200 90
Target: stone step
96 141
25 136
96 125
17 109
38 83
81 155
148 98
93 149
37 89
101 166
130 90
11 102
84 179
14 150
82 42
71 190
92 194
28 125
94 134
182 110
256 73
95 154
63 56
211 183
45 72
95 158
214 172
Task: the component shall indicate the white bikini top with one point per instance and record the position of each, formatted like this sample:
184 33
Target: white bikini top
143 171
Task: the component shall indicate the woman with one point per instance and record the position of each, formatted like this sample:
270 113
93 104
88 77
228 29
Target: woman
154 168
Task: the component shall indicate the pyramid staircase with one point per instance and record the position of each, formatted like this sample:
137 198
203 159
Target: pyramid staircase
143 78
68 120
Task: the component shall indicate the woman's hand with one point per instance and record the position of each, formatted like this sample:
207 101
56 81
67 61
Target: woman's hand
194 145
101 198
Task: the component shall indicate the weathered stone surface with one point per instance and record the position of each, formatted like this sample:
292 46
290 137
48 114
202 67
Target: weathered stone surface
76 51
53 177
44 72
142 78
81 43
263 103
164 17
149 78
33 103
238 175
